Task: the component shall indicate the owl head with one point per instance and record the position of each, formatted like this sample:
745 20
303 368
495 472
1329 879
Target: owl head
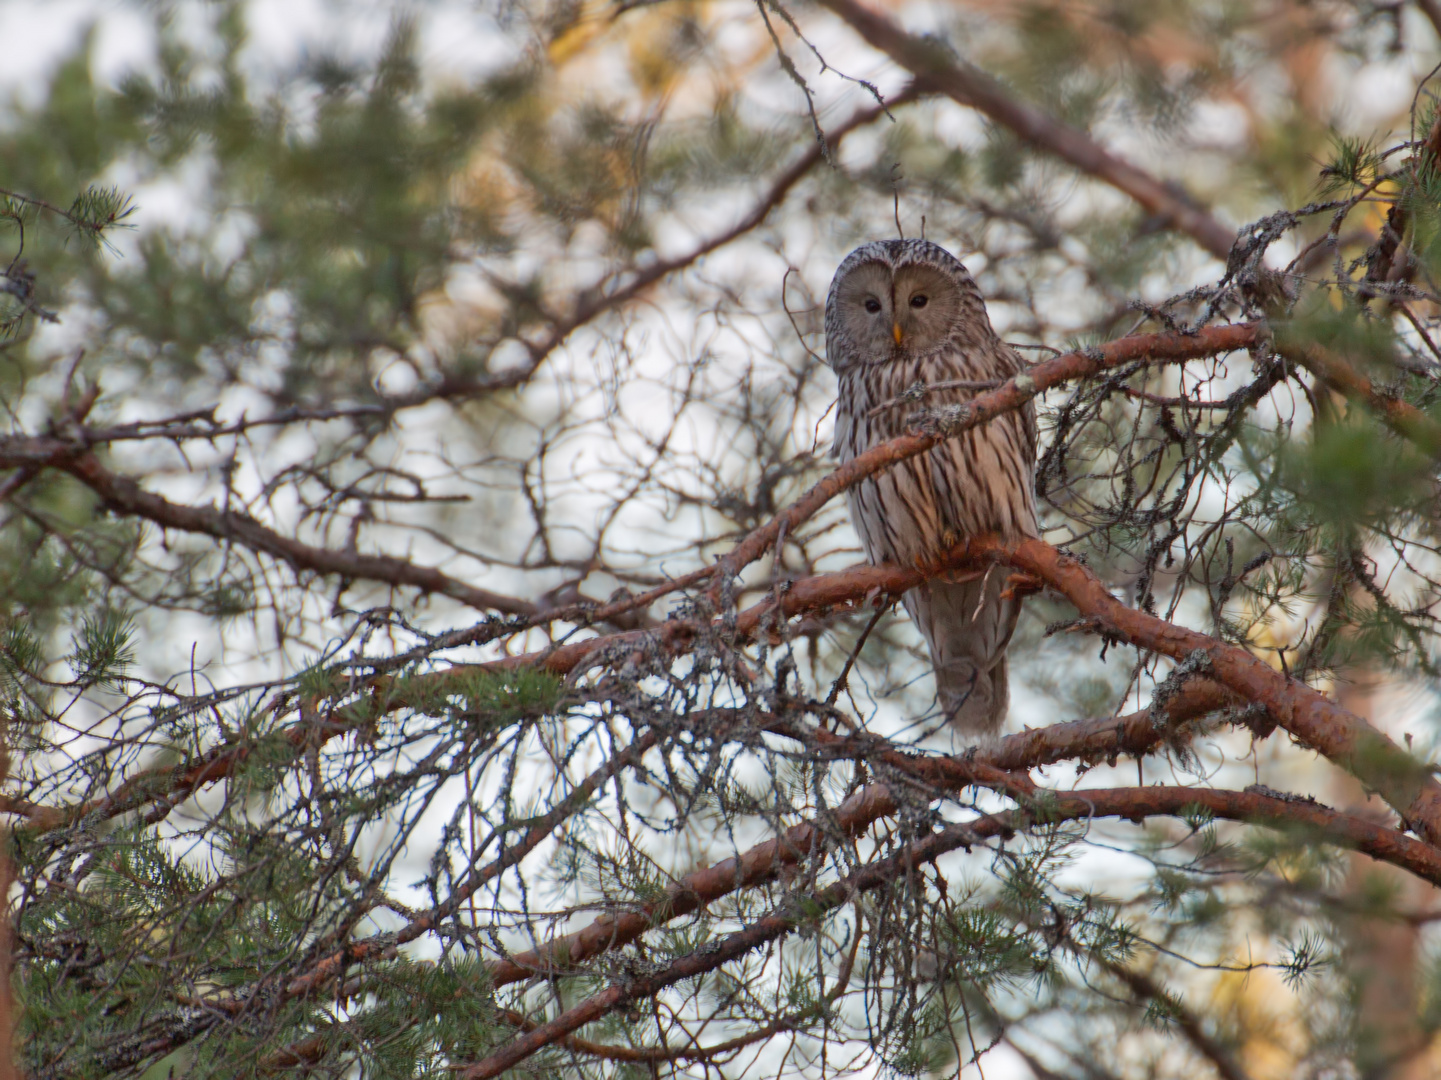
897 298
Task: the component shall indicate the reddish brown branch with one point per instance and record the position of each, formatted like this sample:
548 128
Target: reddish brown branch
716 953
936 68
1088 740
124 495
1001 768
1400 416
1312 718
1135 804
1105 740
1168 348
684 1052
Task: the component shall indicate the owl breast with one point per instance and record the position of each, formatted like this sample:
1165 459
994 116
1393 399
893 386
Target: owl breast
978 482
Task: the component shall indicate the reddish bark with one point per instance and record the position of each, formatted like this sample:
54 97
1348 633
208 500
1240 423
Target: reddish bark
1401 416
1135 804
1168 348
1312 719
1000 768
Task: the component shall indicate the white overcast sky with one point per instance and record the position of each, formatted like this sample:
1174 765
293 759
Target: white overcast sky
457 36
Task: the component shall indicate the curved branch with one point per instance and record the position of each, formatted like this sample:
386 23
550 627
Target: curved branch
1400 416
1311 718
1001 767
122 495
715 953
1167 348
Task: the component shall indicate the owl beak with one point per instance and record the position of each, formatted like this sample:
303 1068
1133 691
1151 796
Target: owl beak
896 332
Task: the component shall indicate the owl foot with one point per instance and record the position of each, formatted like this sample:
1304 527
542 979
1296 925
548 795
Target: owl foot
1019 585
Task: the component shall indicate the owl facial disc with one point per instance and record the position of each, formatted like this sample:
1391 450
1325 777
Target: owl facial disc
896 298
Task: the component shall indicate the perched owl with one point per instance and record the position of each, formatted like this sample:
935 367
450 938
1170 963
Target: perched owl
901 312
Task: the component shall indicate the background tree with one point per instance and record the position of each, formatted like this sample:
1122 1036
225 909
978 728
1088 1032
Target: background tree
432 643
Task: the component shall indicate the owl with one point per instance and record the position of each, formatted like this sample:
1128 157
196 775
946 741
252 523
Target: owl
906 311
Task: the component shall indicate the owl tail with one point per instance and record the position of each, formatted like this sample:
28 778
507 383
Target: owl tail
968 627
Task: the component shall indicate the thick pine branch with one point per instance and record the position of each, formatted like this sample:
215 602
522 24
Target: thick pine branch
1308 715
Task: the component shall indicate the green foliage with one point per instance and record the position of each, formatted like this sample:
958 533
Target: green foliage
96 211
20 654
1304 957
1164 1009
1353 163
981 947
104 649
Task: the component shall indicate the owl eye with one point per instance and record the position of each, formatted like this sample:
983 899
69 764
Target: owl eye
919 300
873 305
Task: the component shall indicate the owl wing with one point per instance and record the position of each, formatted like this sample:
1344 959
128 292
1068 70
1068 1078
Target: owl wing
984 479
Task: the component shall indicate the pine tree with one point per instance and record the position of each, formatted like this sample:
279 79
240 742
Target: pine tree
432 640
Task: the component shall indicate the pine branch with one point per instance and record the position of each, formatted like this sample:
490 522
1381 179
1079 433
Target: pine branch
1135 804
609 296
122 495
125 496
712 955
1167 348
1312 718
1400 416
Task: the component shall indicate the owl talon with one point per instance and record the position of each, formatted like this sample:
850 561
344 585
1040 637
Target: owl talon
1018 585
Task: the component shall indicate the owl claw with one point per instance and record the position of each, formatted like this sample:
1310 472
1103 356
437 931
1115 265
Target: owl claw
1018 585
